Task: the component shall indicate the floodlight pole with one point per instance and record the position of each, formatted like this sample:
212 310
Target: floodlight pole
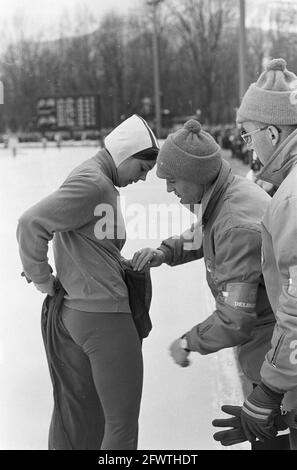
156 62
242 55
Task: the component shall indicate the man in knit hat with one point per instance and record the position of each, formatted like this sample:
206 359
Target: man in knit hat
268 115
232 207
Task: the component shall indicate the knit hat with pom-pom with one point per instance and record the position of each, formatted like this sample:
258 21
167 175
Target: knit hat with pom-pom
190 154
272 99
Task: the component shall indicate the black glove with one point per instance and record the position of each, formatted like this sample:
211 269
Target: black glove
236 435
229 437
259 413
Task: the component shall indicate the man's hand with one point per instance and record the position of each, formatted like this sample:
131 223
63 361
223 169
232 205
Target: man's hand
147 257
179 354
235 435
259 413
47 287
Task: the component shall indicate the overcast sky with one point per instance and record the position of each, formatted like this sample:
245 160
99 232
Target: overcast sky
46 14
51 9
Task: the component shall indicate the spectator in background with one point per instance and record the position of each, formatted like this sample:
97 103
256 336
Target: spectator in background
13 143
6 141
44 142
226 140
58 139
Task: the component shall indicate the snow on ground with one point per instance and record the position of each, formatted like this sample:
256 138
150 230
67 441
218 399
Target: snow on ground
178 404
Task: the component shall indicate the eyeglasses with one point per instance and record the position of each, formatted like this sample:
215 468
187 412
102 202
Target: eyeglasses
246 136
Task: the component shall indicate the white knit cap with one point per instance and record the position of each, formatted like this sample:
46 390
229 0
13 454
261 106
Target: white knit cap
132 136
272 99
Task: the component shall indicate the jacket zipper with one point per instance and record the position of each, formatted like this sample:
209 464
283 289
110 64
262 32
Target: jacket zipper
276 351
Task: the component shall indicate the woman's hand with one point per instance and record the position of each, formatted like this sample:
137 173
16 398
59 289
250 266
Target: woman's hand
147 257
47 287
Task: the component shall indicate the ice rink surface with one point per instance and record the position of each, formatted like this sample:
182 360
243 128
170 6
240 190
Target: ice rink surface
178 404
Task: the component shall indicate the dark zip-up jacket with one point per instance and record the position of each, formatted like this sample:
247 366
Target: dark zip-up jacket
231 248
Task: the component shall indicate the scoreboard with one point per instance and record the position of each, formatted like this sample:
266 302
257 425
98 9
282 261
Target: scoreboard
69 112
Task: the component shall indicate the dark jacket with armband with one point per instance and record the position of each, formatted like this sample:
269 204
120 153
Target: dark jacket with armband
231 248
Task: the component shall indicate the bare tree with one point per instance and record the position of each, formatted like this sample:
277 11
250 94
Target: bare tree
200 24
282 36
110 45
198 61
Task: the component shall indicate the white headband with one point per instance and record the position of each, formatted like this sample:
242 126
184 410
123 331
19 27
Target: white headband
129 138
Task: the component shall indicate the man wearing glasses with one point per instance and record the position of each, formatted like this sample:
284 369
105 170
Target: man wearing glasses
255 165
247 136
268 115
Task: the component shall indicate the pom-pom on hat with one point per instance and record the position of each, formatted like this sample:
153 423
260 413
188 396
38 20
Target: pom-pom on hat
190 154
276 64
272 99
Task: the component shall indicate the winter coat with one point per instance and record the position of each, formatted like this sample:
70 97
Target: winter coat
279 258
231 247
